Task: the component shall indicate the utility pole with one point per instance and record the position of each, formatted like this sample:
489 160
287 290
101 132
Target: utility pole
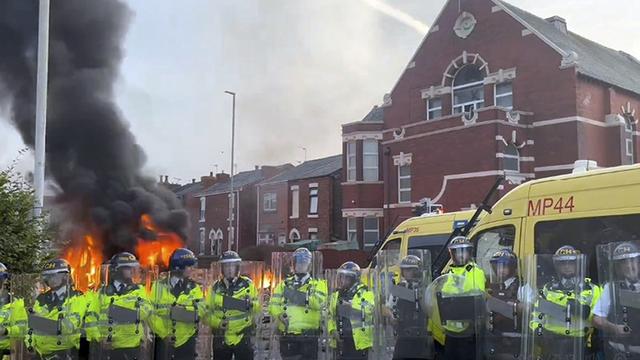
305 152
41 106
232 199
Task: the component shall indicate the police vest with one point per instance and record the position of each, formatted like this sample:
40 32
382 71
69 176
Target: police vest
232 309
177 310
301 304
118 317
13 317
67 314
499 323
356 320
624 315
474 281
412 319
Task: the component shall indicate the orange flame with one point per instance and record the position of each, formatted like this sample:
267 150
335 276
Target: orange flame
266 280
156 252
85 259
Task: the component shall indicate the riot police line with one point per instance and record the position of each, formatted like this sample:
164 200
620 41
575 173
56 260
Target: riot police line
542 307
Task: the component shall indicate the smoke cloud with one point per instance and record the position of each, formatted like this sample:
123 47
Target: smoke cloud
91 154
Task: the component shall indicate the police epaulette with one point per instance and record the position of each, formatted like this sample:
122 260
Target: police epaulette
469 268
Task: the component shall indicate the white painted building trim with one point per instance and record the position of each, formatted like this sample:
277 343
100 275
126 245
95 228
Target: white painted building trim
295 187
554 168
313 216
455 128
526 32
363 183
312 230
573 119
313 185
495 9
362 212
531 142
527 159
362 135
472 175
401 205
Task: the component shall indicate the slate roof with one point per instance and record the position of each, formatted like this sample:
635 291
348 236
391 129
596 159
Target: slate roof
240 180
309 169
594 60
376 115
188 188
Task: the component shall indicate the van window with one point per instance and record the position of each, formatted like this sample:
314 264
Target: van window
585 235
433 243
490 241
393 244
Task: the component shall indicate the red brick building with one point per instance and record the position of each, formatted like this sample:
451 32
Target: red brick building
302 203
492 90
208 205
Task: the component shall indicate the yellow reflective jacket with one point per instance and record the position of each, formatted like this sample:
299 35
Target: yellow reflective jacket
98 326
302 314
361 317
588 297
232 323
166 299
68 314
474 281
13 317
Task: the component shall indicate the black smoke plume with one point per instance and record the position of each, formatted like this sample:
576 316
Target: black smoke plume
91 154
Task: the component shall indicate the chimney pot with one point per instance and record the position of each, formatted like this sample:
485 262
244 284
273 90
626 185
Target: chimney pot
559 22
193 181
257 167
161 178
210 173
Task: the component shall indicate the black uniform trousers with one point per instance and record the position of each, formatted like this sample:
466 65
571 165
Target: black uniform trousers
242 351
347 350
301 347
164 350
460 348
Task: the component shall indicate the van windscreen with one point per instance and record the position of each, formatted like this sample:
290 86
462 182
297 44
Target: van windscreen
432 243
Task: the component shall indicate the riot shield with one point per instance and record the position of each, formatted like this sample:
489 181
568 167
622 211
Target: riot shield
233 309
401 319
296 307
556 316
177 317
457 302
119 315
352 316
18 294
618 309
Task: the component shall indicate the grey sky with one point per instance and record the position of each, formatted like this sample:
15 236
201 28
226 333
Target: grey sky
300 68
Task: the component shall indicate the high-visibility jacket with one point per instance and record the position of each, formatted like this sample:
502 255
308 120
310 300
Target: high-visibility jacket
359 324
474 281
69 314
303 312
232 323
13 317
554 293
127 335
167 299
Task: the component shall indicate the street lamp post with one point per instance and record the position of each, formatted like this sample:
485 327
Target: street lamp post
231 194
305 152
41 106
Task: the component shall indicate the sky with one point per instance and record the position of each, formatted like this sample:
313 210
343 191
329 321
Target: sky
300 69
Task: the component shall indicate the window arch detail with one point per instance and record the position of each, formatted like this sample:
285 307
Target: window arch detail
511 160
460 62
294 235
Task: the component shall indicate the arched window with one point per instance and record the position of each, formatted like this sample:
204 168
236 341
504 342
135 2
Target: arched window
294 235
216 237
468 89
212 241
512 158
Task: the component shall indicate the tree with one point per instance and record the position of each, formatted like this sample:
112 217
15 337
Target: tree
23 237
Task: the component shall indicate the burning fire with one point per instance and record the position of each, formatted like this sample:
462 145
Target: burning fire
85 259
266 280
156 252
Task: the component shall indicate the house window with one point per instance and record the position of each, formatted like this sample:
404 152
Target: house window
215 238
504 95
629 146
434 108
313 234
202 239
404 183
203 208
371 231
313 201
270 202
468 89
295 203
629 121
352 229
511 158
370 160
294 235
351 161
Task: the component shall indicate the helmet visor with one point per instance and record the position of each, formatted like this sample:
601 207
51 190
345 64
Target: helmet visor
231 270
346 280
411 274
566 268
460 255
502 271
628 269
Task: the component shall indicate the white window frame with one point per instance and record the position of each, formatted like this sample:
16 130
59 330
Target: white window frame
352 162
203 233
295 202
371 154
477 104
496 96
352 229
432 109
313 194
297 236
312 231
401 189
270 202
371 230
203 208
509 156
629 148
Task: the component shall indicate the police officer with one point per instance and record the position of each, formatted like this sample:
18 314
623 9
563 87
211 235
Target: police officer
119 311
178 304
296 305
560 334
13 316
55 320
408 313
351 315
233 306
504 328
614 314
460 340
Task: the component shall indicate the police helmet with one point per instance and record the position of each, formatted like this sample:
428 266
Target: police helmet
4 272
625 250
566 253
302 255
123 259
505 257
181 259
230 262
350 273
56 266
411 262
460 242
460 250
230 257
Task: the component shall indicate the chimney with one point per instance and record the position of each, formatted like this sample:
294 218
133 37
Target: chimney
193 181
222 177
161 178
208 181
257 167
559 22
166 179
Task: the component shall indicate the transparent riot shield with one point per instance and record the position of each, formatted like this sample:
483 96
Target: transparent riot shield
178 312
503 319
618 310
18 294
457 301
556 319
234 308
402 323
351 319
118 319
296 307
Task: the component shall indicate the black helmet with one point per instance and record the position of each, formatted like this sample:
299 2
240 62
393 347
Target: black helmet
229 257
123 259
56 266
4 272
230 263
624 251
505 257
181 259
